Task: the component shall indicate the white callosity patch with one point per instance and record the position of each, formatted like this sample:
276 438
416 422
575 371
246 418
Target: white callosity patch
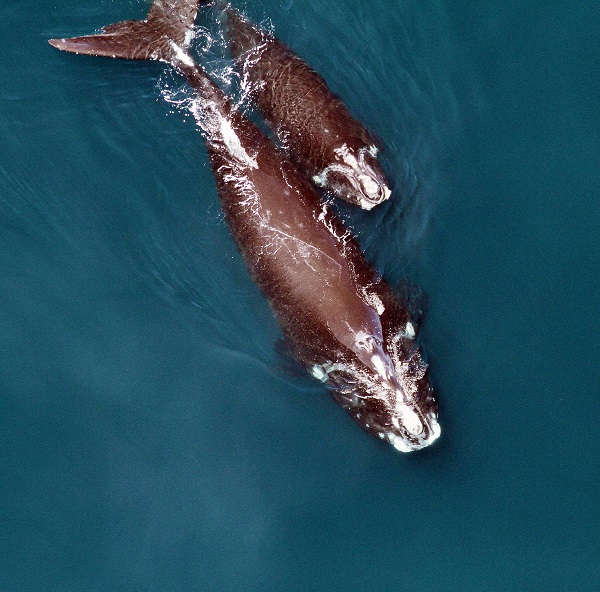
375 189
398 443
323 372
321 178
189 36
365 182
370 187
409 419
319 373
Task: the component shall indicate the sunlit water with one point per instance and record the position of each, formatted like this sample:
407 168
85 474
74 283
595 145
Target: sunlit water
153 435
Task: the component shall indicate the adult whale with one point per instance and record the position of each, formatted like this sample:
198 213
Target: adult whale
314 125
342 321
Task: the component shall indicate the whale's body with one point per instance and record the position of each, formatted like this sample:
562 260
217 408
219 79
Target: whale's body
341 320
316 128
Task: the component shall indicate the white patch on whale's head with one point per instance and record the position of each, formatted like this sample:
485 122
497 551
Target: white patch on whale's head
406 423
413 430
355 176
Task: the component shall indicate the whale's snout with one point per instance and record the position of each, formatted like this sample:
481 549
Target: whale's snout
364 182
412 430
407 422
373 187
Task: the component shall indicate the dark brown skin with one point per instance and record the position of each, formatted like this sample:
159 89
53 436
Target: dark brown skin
342 321
310 121
314 275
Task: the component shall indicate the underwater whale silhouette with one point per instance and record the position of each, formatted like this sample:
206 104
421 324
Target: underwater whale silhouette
342 321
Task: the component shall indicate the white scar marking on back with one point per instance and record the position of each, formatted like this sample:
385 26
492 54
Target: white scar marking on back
234 146
305 249
182 55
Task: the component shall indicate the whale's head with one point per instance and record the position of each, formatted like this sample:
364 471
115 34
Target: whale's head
355 175
407 421
388 393
406 424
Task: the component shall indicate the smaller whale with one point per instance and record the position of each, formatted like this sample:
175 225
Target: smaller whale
313 125
340 318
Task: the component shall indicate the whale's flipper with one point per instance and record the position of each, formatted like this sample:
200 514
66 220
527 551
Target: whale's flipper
165 32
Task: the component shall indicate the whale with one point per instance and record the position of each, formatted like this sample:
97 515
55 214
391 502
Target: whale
313 124
340 318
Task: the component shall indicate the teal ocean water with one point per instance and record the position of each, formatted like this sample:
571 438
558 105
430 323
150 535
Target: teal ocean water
150 438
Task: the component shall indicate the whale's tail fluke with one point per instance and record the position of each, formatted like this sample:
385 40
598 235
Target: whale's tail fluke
166 32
